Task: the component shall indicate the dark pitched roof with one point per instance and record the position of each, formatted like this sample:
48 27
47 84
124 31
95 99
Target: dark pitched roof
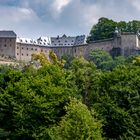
8 34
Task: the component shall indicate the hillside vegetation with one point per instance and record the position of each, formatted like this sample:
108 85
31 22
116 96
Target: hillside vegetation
81 100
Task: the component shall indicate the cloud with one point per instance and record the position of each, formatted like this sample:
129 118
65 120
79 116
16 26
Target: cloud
21 20
72 17
58 5
15 14
136 4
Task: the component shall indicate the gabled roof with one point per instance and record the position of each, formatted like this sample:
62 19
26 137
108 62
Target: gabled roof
7 34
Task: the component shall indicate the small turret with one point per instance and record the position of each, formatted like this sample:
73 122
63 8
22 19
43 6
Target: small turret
117 32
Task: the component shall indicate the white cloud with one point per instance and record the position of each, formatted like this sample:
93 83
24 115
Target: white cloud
15 14
36 17
58 5
91 14
21 20
136 4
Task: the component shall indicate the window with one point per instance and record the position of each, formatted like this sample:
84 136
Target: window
17 53
41 50
35 49
27 54
31 48
27 48
5 45
17 47
22 48
22 53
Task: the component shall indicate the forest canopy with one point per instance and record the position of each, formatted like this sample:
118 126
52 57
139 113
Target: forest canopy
82 99
105 28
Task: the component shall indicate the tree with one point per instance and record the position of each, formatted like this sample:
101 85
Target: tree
105 28
81 76
117 101
43 59
77 124
102 59
31 103
136 61
102 30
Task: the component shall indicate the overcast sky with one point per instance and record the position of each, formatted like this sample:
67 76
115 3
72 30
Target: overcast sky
34 18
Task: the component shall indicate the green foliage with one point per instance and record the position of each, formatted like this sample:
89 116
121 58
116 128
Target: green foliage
104 60
76 102
68 61
77 124
44 60
32 103
136 61
102 30
105 28
82 73
117 102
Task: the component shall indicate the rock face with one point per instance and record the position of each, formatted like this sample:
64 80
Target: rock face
124 44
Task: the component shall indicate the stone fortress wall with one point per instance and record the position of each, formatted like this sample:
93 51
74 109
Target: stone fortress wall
7 43
124 44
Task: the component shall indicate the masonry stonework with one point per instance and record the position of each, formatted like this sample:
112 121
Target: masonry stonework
7 43
124 44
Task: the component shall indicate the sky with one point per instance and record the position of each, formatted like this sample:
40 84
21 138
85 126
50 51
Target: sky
35 18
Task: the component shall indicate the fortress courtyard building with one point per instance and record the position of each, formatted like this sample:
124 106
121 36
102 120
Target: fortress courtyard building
11 46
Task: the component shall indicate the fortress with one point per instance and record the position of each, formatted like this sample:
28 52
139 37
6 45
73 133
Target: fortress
124 44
